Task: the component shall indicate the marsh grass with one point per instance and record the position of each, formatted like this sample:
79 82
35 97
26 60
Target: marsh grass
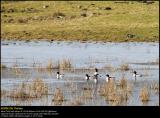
65 64
20 93
146 73
123 82
157 61
49 66
124 67
77 101
129 88
34 90
87 94
17 71
38 88
108 90
115 95
3 66
39 68
58 97
4 93
109 68
155 87
144 94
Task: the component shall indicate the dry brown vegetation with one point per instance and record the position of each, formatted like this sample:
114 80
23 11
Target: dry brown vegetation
37 88
34 90
115 95
58 97
60 64
3 66
124 67
155 87
20 92
65 64
77 102
123 82
87 94
49 65
144 94
3 93
110 68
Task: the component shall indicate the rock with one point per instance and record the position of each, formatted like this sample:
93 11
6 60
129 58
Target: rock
10 20
92 4
5 44
79 6
72 17
10 10
85 9
107 8
130 35
21 20
29 10
84 14
95 14
5 15
58 15
45 6
122 2
150 2
99 8
3 9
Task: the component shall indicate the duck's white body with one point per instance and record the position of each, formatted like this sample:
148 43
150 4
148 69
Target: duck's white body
95 81
86 78
95 73
137 75
107 79
59 76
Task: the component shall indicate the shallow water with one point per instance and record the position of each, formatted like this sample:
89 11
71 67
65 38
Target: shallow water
74 82
82 55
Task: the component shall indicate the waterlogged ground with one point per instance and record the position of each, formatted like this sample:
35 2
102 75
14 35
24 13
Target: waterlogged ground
108 57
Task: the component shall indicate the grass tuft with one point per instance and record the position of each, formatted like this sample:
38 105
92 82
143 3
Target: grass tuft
124 67
58 97
144 94
65 64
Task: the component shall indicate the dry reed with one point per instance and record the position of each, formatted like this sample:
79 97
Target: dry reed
124 67
155 86
65 64
34 90
58 97
144 94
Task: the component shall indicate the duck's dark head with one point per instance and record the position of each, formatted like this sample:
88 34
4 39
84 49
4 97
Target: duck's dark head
134 72
107 75
57 72
96 69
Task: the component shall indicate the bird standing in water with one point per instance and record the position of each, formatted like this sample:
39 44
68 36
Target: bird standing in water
96 71
87 77
59 76
95 76
108 78
135 75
